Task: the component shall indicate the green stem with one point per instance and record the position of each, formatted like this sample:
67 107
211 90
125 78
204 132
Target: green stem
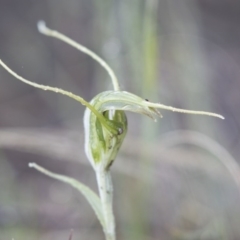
105 188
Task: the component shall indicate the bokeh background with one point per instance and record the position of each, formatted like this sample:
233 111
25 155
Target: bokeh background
174 179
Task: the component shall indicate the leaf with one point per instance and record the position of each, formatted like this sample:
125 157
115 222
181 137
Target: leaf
91 196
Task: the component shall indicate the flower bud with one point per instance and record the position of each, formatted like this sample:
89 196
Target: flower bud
103 138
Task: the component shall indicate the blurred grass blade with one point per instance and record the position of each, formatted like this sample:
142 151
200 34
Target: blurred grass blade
71 235
91 196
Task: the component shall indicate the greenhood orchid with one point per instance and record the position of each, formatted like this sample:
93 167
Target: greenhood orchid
105 125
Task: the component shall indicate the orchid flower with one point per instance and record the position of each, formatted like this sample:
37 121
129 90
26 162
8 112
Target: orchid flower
105 125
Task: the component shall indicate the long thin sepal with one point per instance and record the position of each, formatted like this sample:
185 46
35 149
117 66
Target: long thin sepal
61 91
161 106
42 28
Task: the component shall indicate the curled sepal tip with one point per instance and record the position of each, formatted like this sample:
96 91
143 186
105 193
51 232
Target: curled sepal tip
41 25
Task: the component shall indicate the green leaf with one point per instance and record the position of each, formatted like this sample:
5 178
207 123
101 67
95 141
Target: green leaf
91 196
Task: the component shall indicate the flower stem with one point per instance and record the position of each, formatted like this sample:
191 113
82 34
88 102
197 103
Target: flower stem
105 188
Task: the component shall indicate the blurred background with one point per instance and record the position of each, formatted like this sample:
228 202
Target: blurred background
174 179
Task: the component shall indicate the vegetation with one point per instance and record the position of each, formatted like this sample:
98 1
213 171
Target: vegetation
105 125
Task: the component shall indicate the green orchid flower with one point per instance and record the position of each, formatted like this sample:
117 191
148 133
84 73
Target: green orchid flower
105 122
105 125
